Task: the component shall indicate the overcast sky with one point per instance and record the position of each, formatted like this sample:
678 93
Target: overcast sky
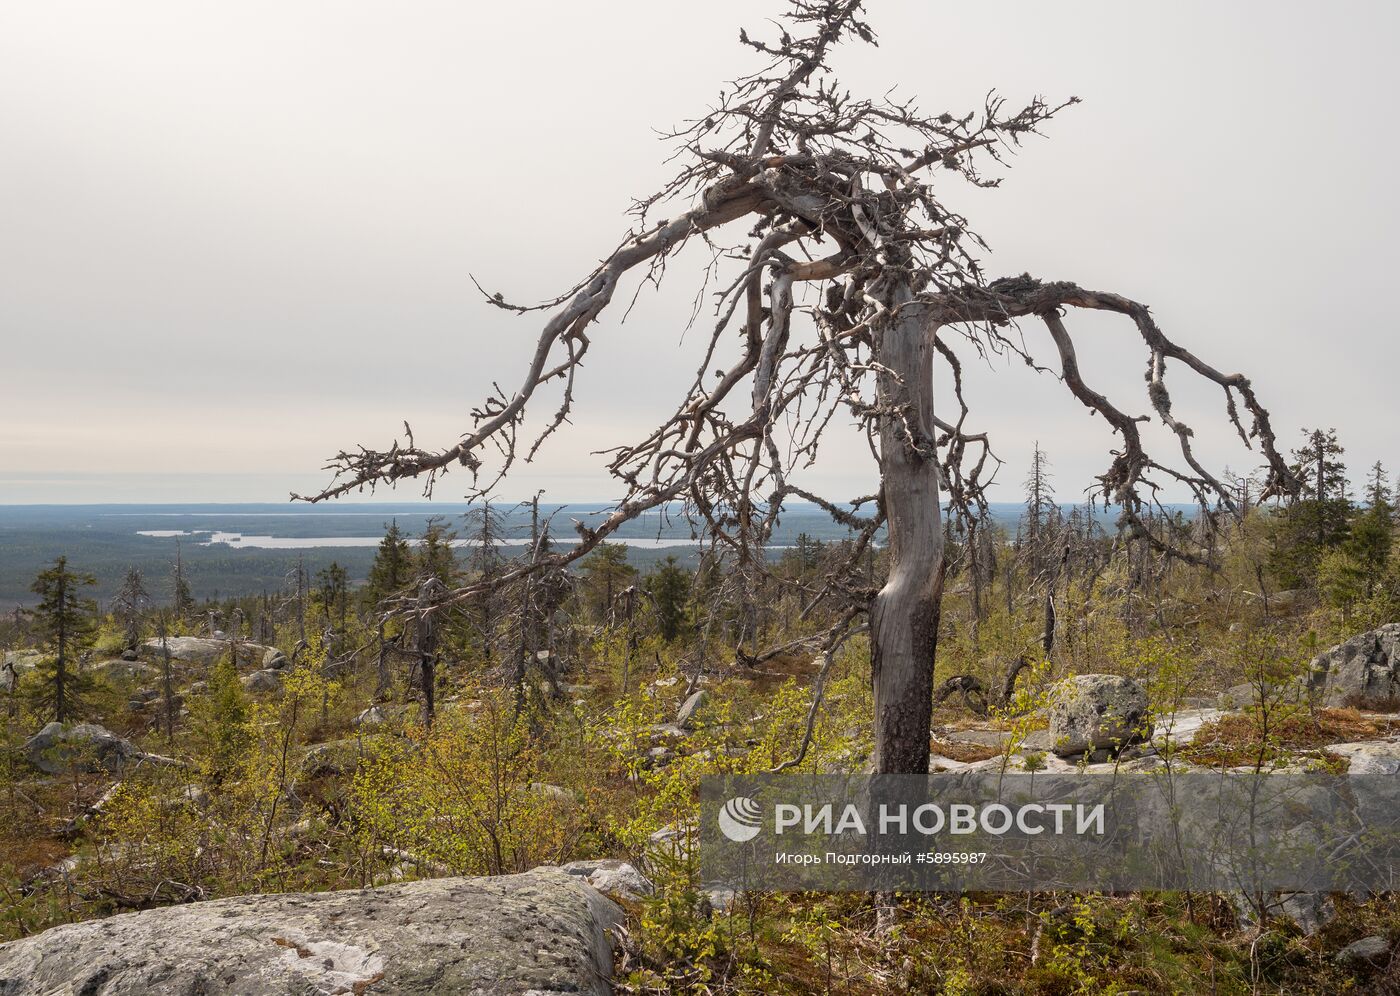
236 237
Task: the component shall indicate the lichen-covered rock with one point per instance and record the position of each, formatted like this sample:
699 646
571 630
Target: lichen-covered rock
1245 696
543 932
685 717
1311 911
61 747
373 716
22 658
1363 671
194 795
612 877
995 739
123 671
1253 695
332 758
203 650
1180 727
554 793
378 715
1090 712
1372 948
673 844
266 680
1374 757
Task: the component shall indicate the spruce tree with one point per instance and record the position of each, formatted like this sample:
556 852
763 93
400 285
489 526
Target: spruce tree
220 719
392 570
67 624
437 557
669 587
606 572
1372 531
1316 521
1378 488
333 585
1325 496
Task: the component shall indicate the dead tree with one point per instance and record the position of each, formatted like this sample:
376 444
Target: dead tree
1042 515
128 606
487 526
532 609
624 605
167 683
837 279
429 605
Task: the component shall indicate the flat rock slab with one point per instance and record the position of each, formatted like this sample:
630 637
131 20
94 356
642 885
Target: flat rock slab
1372 757
977 738
1183 726
542 932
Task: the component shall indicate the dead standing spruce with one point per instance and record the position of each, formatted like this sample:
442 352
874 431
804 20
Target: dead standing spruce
800 191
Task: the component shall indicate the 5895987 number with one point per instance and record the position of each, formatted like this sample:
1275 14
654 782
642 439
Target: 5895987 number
951 857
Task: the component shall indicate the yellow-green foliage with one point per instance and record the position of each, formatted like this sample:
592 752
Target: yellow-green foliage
230 827
1022 714
735 733
468 796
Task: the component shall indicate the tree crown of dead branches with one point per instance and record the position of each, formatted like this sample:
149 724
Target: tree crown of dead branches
813 206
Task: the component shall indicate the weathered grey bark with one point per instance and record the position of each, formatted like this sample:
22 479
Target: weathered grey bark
903 620
430 594
167 681
301 602
60 672
383 679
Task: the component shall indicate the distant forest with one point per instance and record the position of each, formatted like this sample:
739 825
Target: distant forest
105 540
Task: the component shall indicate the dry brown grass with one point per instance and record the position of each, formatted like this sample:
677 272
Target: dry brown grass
1248 738
27 856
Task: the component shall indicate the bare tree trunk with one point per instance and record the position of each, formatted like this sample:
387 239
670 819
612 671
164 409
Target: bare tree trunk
630 608
429 595
266 635
1047 636
903 618
301 602
60 674
383 679
975 571
527 642
1011 557
166 681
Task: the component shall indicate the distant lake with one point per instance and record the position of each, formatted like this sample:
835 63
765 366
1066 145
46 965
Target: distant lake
243 541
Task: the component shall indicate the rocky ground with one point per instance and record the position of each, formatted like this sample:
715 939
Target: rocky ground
552 930
544 932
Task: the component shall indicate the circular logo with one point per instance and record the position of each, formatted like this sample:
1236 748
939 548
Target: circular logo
740 819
